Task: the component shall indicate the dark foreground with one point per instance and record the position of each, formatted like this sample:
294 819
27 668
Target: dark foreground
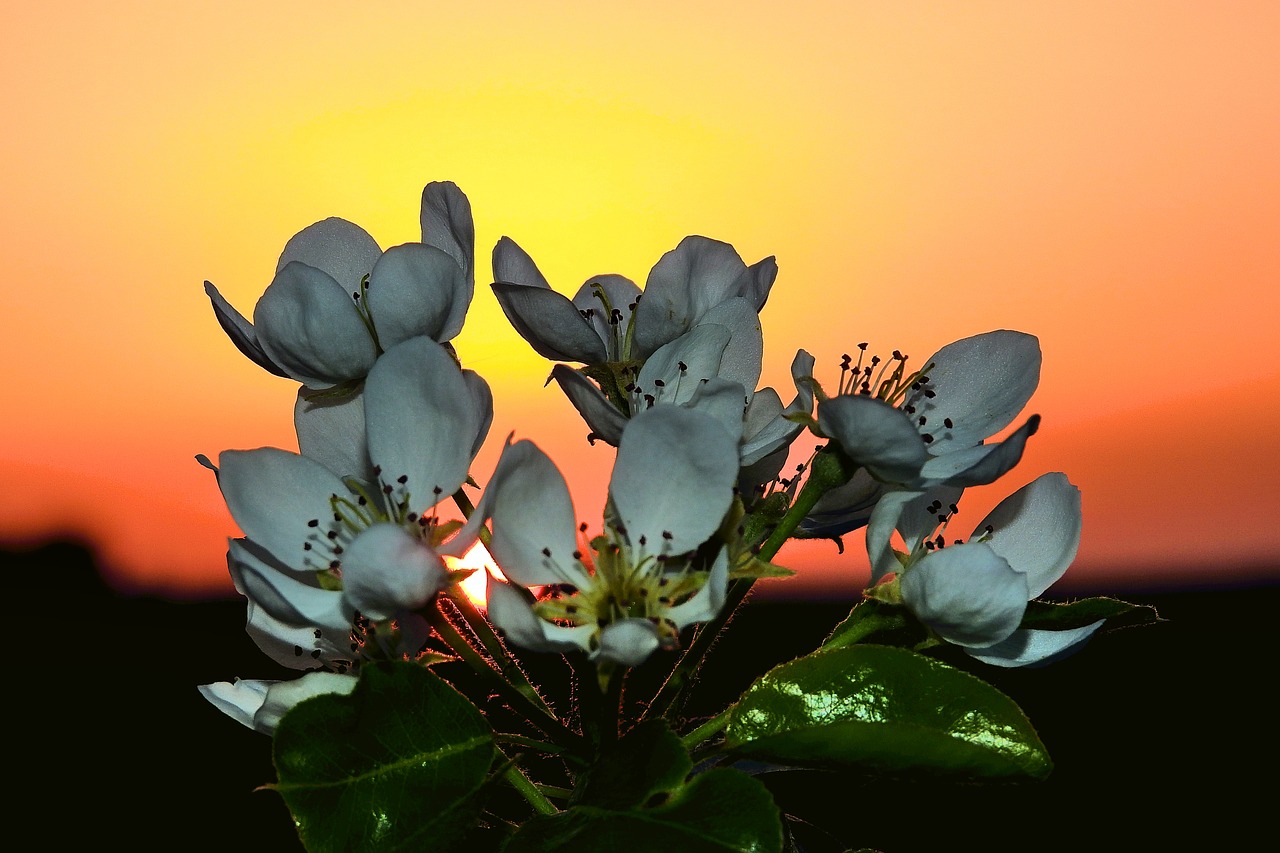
1163 737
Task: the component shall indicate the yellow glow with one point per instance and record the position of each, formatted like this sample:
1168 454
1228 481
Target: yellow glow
478 558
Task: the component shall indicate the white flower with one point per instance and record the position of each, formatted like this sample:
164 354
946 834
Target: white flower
337 300
973 594
607 321
632 589
260 704
912 431
321 548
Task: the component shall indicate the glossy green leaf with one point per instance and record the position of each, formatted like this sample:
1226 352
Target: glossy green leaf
1050 616
649 760
884 709
720 811
394 766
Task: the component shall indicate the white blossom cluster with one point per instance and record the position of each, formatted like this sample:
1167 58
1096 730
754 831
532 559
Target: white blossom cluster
344 541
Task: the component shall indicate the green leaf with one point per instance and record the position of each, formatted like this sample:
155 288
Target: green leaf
648 760
393 766
1060 617
884 709
720 811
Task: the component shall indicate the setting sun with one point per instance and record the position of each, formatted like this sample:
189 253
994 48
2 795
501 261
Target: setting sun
478 558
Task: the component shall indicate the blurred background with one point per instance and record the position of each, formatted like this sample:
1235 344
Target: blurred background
1100 174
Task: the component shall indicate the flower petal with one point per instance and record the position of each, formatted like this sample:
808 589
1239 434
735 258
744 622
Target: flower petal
550 323
917 521
482 402
1032 646
846 508
604 419
981 383
342 250
699 351
283 695
967 593
509 611
307 323
722 399
292 600
743 356
673 478
756 281
686 282
622 294
881 524
627 641
706 602
533 522
240 331
875 435
447 225
240 700
1037 529
422 421
512 265
274 495
331 431
977 466
417 290
386 570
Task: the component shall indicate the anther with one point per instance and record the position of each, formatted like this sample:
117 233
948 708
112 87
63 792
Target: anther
946 422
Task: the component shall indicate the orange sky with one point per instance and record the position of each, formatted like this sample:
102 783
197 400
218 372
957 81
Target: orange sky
1102 175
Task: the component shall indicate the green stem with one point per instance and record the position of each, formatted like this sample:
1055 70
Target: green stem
538 717
711 727
517 779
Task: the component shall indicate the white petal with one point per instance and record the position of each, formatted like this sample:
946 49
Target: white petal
756 281
341 249
846 508
533 522
604 419
1037 529
880 527
673 478
706 603
274 495
977 466
724 400
417 290
447 225
386 570
422 421
1029 646
627 641
331 431
699 350
296 600
981 382
967 593
550 323
509 611
308 324
282 696
875 435
512 265
482 402
240 700
622 294
744 355
686 282
240 331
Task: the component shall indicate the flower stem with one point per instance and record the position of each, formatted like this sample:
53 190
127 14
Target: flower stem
706 730
535 714
517 779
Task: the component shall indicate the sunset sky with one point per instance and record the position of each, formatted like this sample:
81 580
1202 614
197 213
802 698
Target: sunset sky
1104 175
